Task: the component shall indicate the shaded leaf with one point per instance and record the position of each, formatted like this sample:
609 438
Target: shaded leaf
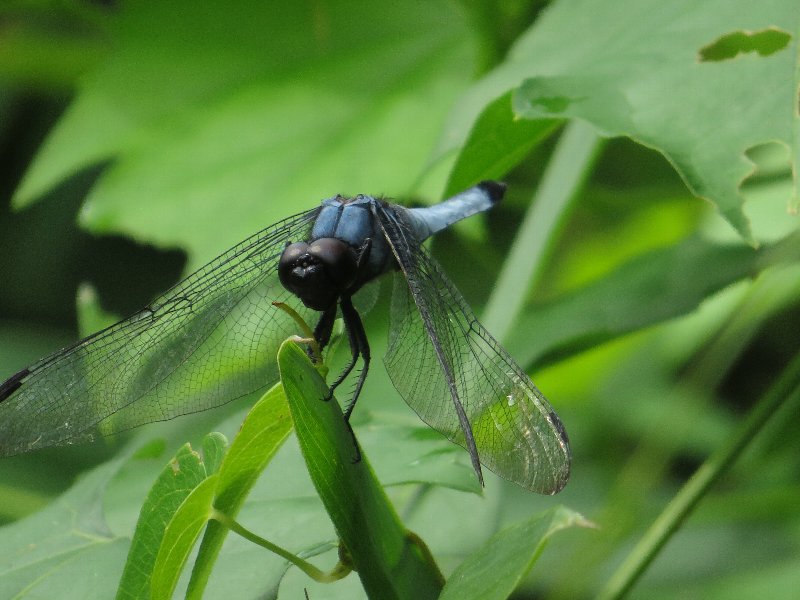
413 454
649 289
63 541
214 446
496 569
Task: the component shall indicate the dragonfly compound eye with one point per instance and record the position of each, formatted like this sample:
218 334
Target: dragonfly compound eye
339 259
319 272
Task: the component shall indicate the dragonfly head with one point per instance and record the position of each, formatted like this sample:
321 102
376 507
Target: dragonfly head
318 273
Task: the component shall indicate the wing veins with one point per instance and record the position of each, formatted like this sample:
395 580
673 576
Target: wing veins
466 427
58 387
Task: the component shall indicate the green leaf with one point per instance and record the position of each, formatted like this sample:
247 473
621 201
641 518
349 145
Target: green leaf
68 541
765 42
634 68
91 316
241 121
388 562
649 289
497 568
184 498
214 446
497 142
175 483
262 433
180 535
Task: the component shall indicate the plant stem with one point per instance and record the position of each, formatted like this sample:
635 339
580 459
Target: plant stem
301 323
338 572
565 173
783 396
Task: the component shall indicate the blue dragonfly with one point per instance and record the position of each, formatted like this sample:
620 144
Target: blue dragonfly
213 338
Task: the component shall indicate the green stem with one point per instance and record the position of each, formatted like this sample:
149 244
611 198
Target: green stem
569 166
784 396
338 572
301 323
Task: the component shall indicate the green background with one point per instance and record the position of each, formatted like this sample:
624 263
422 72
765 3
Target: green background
141 139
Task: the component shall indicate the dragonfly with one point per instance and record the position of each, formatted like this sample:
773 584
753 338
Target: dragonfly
213 338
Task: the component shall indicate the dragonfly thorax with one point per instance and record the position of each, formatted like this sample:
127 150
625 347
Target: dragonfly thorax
320 272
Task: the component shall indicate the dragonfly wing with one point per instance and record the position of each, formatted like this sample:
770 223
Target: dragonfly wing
210 339
460 381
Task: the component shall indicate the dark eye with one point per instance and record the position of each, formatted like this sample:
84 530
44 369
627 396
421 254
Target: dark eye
339 260
292 256
318 273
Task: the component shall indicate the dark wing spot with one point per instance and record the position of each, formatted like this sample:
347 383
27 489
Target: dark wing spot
13 383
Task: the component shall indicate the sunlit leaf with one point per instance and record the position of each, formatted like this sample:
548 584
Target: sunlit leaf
218 123
633 69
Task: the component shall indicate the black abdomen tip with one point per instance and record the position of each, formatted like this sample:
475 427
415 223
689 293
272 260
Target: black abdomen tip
495 189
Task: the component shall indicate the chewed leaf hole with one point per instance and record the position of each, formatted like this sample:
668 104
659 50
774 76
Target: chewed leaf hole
765 42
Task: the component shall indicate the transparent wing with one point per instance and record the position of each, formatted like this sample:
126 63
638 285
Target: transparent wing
209 340
460 381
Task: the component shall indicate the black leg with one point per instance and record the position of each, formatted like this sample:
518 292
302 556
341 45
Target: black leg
322 333
324 328
359 345
353 322
354 352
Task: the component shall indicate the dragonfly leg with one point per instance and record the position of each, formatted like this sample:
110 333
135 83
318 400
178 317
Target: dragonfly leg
352 324
324 328
347 311
359 346
362 343
358 337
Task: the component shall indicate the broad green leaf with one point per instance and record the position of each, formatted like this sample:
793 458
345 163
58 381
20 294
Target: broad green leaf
496 569
634 68
649 289
388 562
176 482
244 112
91 573
68 541
262 433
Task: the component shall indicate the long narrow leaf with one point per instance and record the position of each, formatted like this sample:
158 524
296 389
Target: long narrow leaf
388 560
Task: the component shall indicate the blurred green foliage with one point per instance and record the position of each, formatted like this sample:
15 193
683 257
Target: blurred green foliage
140 139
